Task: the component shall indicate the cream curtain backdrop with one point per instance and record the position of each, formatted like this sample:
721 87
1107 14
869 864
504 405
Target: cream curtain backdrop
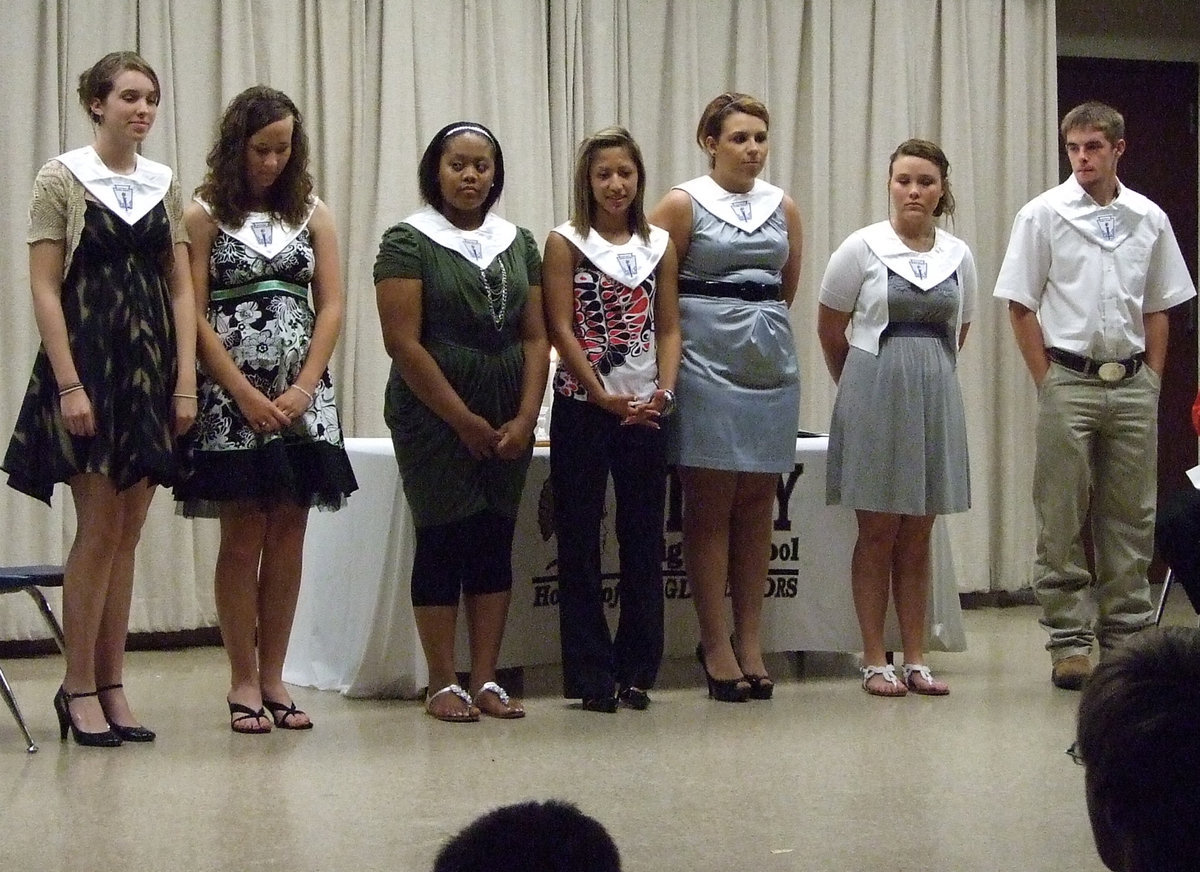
846 80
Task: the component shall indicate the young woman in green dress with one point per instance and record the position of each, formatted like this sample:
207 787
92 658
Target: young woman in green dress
459 295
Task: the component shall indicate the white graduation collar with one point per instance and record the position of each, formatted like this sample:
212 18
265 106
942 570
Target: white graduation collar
480 246
1107 226
629 263
129 197
925 269
747 211
262 232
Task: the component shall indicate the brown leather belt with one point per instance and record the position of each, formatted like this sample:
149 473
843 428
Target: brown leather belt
1105 370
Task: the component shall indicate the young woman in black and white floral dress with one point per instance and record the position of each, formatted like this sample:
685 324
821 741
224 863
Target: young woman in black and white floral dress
268 445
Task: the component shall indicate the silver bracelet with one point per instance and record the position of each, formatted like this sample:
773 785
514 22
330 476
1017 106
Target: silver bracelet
306 393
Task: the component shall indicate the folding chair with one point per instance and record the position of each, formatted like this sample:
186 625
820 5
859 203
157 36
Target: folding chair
1168 580
30 579
1177 535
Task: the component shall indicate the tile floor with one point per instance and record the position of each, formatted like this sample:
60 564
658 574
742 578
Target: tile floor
823 777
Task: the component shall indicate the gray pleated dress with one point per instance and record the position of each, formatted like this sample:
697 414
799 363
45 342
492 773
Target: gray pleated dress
738 388
898 440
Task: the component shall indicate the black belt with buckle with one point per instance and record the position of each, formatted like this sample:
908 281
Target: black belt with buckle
1105 370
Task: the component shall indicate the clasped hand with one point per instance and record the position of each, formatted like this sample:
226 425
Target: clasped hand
635 412
506 442
265 415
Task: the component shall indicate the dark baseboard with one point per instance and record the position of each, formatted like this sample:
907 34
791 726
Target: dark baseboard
997 599
167 641
206 636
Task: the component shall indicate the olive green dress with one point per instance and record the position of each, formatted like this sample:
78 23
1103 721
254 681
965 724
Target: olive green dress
482 360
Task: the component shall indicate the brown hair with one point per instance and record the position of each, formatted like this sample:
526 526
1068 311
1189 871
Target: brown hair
96 82
933 153
1136 736
720 108
1094 115
583 204
225 188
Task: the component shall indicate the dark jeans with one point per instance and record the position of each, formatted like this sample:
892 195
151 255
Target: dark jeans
586 445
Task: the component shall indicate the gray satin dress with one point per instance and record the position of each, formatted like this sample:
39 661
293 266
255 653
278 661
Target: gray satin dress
738 389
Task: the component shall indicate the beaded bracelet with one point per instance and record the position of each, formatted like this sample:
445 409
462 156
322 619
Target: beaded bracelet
306 393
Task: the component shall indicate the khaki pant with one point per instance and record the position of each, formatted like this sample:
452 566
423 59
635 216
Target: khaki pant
1097 444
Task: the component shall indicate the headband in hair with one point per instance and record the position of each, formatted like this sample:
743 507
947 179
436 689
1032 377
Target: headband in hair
468 128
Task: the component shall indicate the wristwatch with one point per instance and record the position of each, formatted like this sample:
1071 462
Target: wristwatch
668 404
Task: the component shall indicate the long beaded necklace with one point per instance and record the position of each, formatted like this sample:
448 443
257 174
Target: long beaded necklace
497 297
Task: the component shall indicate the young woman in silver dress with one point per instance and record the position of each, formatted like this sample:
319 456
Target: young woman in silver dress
739 244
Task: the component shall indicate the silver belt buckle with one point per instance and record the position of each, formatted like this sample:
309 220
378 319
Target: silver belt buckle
1112 371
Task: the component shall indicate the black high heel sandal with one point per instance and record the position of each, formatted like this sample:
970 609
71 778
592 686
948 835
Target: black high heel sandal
62 701
127 734
281 712
723 689
761 686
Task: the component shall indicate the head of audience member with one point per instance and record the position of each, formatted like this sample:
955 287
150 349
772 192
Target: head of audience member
1094 137
609 173
259 162
1137 739
730 124
99 80
461 173
930 153
550 836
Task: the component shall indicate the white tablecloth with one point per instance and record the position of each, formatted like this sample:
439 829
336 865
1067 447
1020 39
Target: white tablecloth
354 629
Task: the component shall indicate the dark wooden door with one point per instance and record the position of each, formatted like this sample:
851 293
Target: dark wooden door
1158 100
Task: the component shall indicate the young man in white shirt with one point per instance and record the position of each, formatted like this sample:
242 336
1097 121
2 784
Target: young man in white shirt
1090 271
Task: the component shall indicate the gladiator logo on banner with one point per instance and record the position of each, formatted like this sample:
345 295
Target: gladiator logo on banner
742 209
473 248
919 267
628 262
124 194
1107 226
783 575
263 231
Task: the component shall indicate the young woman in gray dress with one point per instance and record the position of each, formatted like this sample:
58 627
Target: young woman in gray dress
898 441
738 393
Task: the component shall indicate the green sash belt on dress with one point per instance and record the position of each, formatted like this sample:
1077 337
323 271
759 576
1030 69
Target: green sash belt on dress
264 287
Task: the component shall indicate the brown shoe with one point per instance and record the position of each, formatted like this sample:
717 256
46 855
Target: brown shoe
1070 673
